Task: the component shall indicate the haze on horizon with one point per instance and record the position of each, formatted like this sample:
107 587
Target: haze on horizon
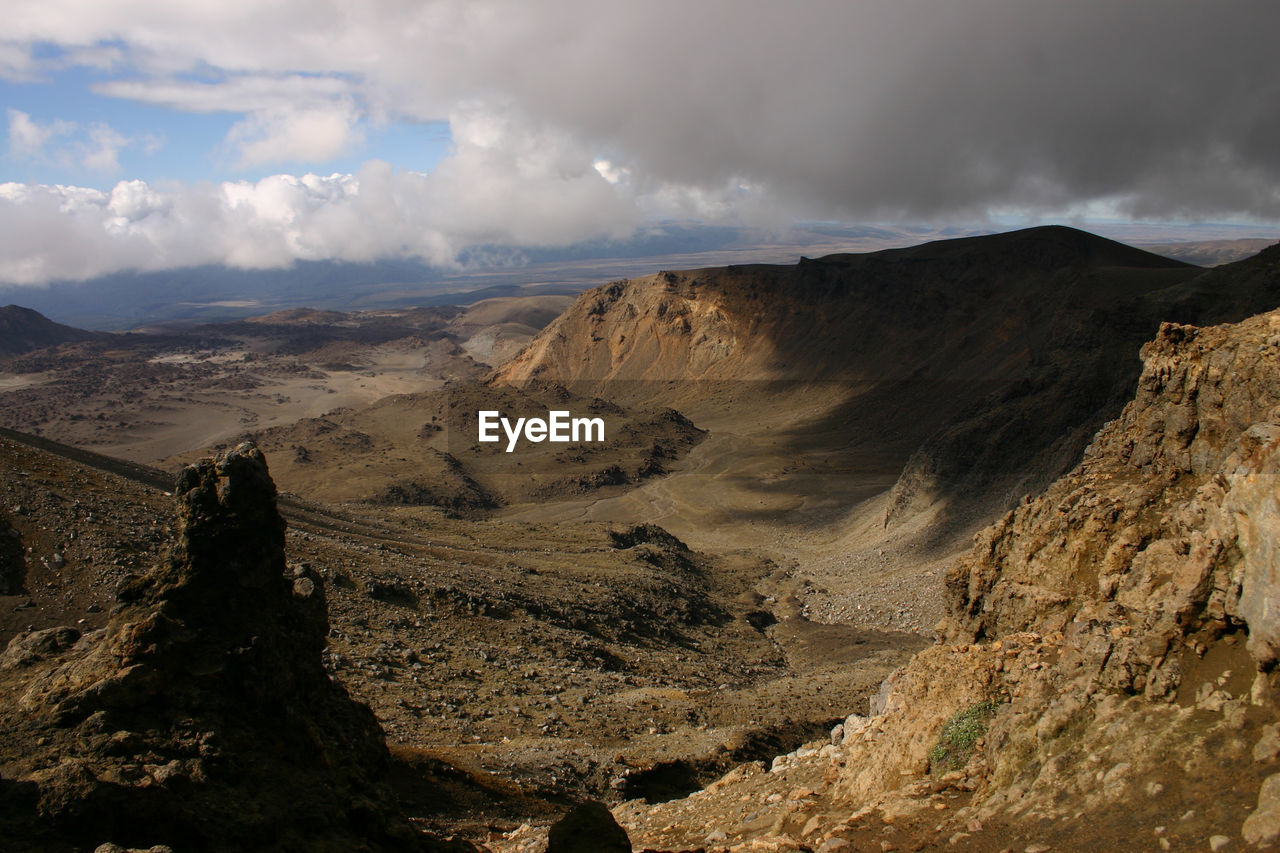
151 136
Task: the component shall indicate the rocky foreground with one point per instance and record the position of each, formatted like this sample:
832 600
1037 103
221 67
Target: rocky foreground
201 716
513 669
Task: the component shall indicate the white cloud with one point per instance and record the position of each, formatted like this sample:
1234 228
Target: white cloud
16 62
102 149
28 138
510 183
290 118
296 135
94 147
612 173
233 93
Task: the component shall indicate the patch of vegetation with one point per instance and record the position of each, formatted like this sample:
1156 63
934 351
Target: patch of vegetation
959 737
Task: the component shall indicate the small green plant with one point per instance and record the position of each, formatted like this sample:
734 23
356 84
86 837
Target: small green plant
959 736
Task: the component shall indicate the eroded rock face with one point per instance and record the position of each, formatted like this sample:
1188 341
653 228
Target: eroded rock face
1124 618
1171 512
203 717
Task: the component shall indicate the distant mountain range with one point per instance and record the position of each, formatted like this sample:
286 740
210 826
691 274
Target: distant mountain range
212 293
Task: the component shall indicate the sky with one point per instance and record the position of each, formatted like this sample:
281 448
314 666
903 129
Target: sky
148 135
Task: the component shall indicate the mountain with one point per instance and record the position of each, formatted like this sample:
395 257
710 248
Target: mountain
23 330
827 318
976 367
1081 371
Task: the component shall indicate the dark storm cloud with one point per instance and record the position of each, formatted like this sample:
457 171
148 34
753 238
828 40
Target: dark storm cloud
573 119
933 108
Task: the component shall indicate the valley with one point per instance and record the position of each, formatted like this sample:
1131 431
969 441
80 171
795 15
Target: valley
777 533
149 396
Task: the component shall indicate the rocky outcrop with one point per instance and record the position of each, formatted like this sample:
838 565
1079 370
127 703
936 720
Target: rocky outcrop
202 716
1124 616
1167 528
588 828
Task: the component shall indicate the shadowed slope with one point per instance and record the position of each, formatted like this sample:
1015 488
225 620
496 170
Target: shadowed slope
23 330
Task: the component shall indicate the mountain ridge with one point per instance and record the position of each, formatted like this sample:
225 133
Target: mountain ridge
910 357
24 329
886 280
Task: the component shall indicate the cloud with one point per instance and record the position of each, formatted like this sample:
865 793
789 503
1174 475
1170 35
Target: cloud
102 152
28 138
94 147
580 117
291 118
913 108
232 93
20 63
509 183
296 135
16 63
